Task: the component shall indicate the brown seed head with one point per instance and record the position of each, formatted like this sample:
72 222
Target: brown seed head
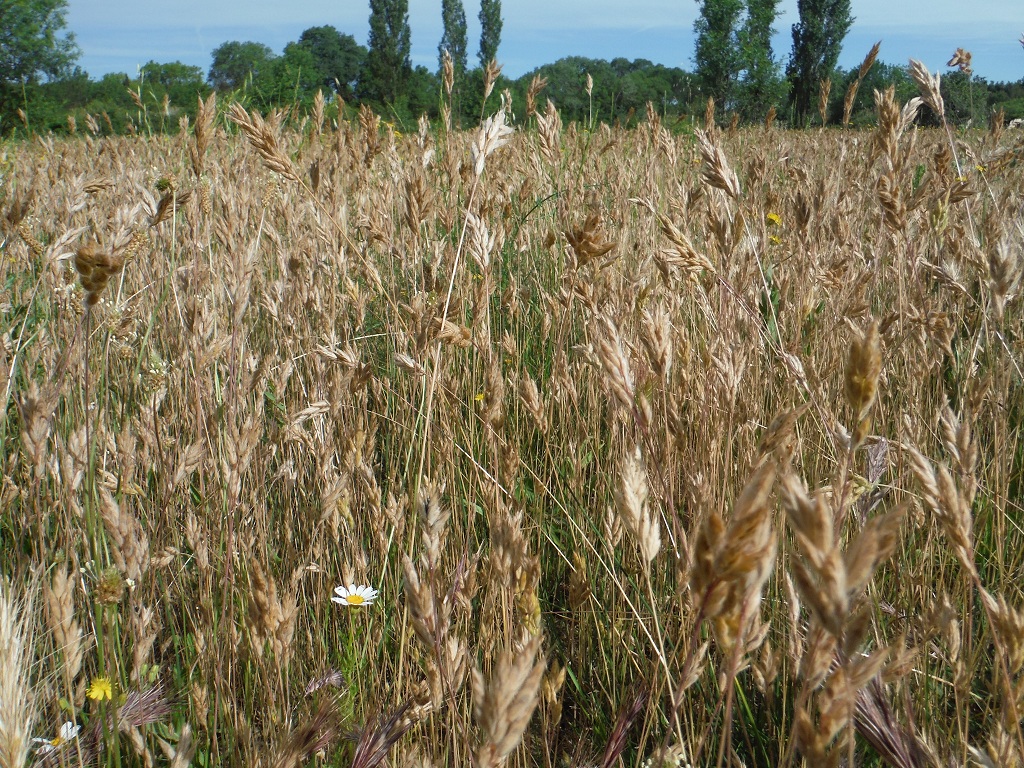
863 367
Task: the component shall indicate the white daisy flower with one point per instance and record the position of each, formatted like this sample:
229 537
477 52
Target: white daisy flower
68 731
354 596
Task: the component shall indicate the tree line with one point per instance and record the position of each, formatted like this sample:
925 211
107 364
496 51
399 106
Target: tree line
734 63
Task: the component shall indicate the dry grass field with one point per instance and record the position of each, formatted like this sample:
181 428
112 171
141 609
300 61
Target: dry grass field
668 445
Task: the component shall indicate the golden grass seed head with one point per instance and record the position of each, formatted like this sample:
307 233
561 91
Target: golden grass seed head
863 368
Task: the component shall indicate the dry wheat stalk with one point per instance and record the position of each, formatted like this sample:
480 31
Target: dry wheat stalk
312 735
17 701
614 362
951 509
716 171
202 133
129 542
549 134
851 92
824 89
631 503
378 735
263 139
503 705
731 563
536 86
60 615
929 86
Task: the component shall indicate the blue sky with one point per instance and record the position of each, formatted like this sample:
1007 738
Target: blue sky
121 35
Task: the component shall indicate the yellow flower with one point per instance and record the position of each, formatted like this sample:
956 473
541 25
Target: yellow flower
100 689
479 397
775 239
774 219
980 168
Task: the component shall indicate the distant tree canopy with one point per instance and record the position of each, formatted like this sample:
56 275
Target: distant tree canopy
182 83
621 86
387 68
490 30
761 85
338 58
453 39
717 55
233 62
33 43
37 73
817 40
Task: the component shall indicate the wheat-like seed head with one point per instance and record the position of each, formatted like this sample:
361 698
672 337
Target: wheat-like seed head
537 84
17 702
503 705
60 614
614 362
716 171
631 503
929 86
493 134
263 139
863 368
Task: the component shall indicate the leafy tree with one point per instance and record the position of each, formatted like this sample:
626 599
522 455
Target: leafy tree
717 57
490 30
233 62
817 41
181 82
338 58
31 44
619 87
878 78
453 17
387 68
421 91
964 98
289 79
761 85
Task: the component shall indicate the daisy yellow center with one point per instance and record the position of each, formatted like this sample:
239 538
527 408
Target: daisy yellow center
355 599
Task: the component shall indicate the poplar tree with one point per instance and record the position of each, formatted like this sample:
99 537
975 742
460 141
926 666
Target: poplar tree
761 84
453 17
387 68
717 57
817 41
490 30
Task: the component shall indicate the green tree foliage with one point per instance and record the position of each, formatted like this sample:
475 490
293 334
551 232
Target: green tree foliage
964 97
421 97
490 30
453 17
878 78
817 41
32 44
717 55
387 68
180 82
234 62
761 85
292 78
338 58
1008 96
621 87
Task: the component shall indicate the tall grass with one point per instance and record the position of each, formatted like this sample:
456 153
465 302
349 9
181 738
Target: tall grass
658 445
